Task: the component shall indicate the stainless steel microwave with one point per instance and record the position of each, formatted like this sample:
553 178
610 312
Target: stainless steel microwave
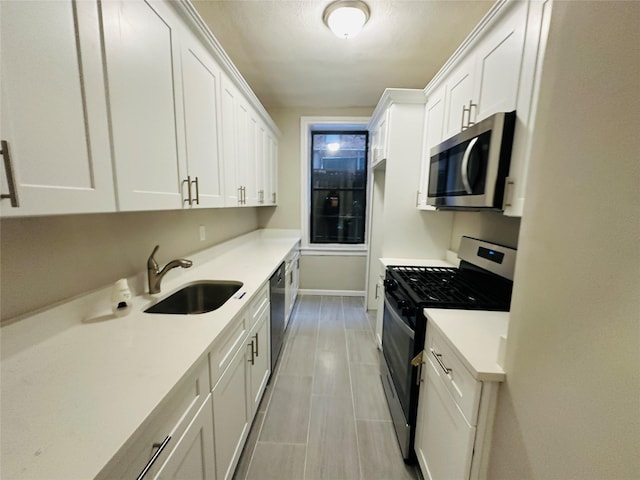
468 171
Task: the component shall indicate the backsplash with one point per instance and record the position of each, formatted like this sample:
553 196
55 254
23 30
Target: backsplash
491 226
49 259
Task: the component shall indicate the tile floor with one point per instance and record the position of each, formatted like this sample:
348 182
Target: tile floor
324 415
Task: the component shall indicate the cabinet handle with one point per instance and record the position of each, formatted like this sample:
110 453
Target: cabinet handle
257 345
11 181
467 110
160 447
471 105
438 357
417 198
274 197
244 195
197 200
508 192
252 360
188 182
377 286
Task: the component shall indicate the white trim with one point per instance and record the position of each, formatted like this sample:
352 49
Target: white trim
333 293
306 123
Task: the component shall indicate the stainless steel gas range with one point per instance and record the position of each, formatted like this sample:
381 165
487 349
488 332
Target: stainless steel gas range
483 281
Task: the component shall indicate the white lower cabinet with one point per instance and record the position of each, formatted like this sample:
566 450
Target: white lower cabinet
444 440
230 415
192 456
259 362
455 415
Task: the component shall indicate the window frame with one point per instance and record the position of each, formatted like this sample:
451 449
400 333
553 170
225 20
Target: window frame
308 125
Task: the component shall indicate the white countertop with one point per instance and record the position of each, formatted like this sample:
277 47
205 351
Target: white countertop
475 337
72 396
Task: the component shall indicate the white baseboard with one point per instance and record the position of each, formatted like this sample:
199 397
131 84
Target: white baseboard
333 293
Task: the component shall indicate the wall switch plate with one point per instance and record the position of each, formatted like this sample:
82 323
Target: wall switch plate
203 234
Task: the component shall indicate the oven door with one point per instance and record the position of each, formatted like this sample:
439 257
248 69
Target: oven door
398 345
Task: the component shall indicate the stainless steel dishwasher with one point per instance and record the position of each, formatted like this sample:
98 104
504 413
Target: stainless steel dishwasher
276 293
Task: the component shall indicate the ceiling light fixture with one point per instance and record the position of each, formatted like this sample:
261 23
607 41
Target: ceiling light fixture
346 18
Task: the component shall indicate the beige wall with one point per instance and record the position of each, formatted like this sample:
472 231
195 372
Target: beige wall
314 274
570 408
48 259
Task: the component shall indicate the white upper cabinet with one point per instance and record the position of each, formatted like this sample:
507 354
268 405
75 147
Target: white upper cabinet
379 139
54 119
459 92
201 85
498 63
142 58
230 146
433 134
497 69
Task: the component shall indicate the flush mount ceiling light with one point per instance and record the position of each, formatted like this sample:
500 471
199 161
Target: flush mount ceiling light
346 18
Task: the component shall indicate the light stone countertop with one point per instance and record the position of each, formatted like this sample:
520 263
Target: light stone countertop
77 382
475 337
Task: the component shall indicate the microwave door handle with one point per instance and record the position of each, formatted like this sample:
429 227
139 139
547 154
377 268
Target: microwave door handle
465 165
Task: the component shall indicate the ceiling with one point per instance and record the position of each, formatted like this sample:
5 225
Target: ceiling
291 59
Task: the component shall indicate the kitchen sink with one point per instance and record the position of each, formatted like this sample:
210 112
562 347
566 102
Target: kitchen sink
199 297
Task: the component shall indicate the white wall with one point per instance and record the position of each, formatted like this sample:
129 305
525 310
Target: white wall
570 408
314 273
490 226
49 259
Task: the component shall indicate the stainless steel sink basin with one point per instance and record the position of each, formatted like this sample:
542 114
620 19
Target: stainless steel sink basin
200 297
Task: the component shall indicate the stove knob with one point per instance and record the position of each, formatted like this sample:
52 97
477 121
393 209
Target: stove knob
390 285
403 305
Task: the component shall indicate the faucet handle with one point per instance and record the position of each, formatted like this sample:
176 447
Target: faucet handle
151 262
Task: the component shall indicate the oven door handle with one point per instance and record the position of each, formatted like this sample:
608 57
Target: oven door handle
465 166
396 318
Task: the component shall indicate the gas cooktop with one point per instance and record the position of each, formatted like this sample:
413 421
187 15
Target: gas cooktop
443 287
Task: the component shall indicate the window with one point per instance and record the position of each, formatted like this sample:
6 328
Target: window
338 176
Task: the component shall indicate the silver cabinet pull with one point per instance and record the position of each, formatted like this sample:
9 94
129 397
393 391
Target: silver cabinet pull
197 200
11 181
257 345
377 286
160 447
438 357
417 198
467 110
252 360
508 192
239 195
188 182
274 197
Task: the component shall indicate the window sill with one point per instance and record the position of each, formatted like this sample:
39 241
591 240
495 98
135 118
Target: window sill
336 250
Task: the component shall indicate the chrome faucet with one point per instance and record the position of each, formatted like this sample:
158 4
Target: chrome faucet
155 274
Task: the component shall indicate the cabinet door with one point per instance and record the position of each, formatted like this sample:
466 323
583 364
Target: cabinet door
433 135
379 138
444 440
230 416
200 84
54 108
192 456
270 168
143 113
260 366
459 93
229 104
498 63
246 138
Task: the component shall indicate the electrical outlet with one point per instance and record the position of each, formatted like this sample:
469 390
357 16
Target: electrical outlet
203 234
